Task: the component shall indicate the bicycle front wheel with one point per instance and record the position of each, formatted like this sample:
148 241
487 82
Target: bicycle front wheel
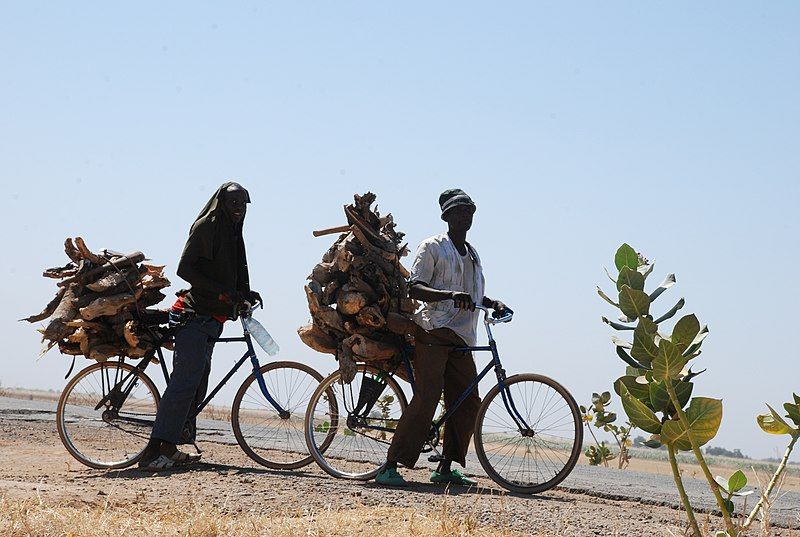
538 459
349 426
267 438
106 413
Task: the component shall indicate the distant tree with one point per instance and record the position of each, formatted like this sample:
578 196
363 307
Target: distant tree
722 452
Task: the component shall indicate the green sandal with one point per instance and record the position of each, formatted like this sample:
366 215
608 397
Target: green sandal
455 477
391 478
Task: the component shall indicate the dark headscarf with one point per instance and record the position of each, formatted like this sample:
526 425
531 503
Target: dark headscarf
214 205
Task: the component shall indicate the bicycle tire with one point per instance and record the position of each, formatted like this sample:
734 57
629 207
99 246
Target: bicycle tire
276 444
96 438
364 460
556 450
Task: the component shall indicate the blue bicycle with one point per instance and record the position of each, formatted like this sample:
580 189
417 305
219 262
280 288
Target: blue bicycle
106 412
528 431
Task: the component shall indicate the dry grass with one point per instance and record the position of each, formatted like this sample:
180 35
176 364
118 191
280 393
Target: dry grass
34 518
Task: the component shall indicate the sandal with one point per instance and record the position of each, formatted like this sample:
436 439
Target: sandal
166 462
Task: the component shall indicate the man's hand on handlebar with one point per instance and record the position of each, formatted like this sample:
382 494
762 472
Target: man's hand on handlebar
255 299
463 301
500 309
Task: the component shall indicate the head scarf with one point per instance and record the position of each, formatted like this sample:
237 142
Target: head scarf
215 212
214 206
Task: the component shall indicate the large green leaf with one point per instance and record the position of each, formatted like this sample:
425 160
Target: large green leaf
639 414
704 415
633 303
686 329
773 423
659 398
636 389
644 346
630 277
626 257
668 282
669 363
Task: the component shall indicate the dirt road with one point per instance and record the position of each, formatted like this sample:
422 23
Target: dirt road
34 465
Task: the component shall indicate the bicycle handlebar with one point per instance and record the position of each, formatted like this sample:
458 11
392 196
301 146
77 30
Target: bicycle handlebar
491 320
246 308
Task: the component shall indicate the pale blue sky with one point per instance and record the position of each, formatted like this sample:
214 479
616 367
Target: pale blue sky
673 126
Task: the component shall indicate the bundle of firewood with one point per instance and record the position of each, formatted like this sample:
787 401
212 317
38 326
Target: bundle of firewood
358 294
99 310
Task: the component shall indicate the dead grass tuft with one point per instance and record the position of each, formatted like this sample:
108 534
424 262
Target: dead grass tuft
25 518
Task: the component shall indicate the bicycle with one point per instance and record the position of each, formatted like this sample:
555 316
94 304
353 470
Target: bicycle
106 412
527 440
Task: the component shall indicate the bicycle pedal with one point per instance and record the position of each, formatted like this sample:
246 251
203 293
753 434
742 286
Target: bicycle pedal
435 458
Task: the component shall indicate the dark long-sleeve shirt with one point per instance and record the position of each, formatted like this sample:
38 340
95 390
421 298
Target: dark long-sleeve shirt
214 262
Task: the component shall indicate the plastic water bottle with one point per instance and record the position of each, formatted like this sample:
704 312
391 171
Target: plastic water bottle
262 337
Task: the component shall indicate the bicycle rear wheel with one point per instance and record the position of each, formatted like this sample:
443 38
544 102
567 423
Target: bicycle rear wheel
266 437
115 434
348 431
541 458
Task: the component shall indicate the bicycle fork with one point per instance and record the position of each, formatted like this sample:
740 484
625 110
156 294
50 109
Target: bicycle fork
283 413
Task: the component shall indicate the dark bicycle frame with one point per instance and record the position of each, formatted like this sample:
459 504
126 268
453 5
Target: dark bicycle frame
495 364
117 395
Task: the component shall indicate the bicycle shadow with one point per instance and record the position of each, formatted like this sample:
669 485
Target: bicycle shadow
434 489
135 473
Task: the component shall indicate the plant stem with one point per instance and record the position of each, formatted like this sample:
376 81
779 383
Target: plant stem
621 451
589 426
772 482
676 473
726 516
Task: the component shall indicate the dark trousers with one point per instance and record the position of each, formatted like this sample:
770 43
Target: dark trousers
188 384
437 367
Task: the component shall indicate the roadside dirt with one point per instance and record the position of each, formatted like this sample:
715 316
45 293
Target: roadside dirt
35 466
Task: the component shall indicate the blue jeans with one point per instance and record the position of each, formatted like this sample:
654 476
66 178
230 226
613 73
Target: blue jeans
191 365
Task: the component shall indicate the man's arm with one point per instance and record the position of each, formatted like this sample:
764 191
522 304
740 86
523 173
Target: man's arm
422 291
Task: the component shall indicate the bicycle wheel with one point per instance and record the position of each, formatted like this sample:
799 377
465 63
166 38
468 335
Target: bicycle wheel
348 427
539 459
115 434
267 438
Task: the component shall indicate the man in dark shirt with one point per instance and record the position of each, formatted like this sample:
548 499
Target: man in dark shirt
215 264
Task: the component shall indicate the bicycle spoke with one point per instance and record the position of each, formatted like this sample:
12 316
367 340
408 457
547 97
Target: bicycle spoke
358 448
268 438
106 437
536 459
